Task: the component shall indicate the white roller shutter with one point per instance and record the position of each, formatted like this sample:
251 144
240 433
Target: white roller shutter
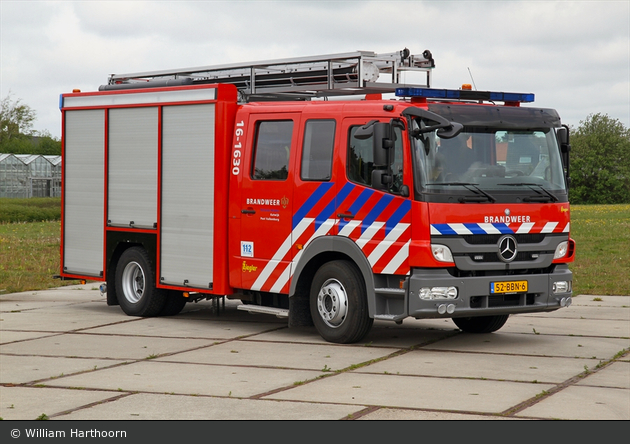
83 187
132 168
187 219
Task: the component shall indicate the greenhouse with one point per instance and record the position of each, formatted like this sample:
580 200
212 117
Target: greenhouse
30 175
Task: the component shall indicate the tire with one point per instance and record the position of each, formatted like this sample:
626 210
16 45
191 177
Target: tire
175 303
135 284
338 303
481 324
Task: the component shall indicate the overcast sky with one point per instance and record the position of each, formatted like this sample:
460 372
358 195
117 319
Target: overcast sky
573 55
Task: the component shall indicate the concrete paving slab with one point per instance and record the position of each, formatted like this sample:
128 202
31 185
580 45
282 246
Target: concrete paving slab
31 369
456 395
150 407
53 296
189 379
168 327
102 346
477 365
208 311
423 415
601 301
70 318
536 345
588 311
228 361
563 326
322 357
85 309
298 335
583 403
7 336
28 403
68 292
382 335
17 306
617 374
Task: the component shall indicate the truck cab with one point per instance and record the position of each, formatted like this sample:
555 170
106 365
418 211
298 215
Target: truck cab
425 209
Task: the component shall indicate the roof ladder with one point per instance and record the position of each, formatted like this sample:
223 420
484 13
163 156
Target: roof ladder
299 78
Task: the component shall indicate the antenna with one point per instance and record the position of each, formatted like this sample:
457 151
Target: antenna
473 80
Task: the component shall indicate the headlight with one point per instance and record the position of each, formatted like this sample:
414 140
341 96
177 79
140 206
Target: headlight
561 287
429 293
561 250
441 253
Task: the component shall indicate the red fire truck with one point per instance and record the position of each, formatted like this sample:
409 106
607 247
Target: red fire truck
320 189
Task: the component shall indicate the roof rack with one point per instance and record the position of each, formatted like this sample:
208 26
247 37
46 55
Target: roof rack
299 78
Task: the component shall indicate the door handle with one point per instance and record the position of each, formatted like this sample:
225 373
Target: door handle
345 215
248 211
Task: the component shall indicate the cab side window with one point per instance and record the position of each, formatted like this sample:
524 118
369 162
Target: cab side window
272 149
397 163
317 150
361 161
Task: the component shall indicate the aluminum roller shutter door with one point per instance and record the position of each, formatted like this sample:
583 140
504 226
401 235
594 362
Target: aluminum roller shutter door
84 188
187 219
132 167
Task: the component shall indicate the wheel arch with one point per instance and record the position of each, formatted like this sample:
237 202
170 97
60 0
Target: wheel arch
325 249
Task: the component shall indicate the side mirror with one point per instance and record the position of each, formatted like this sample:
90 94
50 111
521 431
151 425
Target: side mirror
449 133
366 131
383 142
565 148
563 135
445 128
381 180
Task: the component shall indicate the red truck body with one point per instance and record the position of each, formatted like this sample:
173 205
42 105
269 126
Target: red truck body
333 212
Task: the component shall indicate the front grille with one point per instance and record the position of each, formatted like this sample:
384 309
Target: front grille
521 256
486 239
503 300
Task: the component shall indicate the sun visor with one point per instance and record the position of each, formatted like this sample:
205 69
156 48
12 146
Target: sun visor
508 117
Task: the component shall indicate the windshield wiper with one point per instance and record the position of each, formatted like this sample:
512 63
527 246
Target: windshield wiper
540 197
473 187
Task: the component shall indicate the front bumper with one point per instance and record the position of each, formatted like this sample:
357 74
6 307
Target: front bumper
474 297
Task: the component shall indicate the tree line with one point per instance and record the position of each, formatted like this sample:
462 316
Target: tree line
16 131
599 167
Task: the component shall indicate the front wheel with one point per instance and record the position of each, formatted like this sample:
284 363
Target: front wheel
135 284
339 303
481 324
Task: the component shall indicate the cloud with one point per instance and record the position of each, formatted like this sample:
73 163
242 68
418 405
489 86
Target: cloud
574 55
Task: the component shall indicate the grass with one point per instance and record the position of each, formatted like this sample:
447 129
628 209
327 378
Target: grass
602 236
29 256
29 251
35 209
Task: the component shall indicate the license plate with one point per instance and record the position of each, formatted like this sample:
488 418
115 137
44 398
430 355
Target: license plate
508 287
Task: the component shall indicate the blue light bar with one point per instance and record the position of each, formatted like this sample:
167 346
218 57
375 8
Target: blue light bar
464 94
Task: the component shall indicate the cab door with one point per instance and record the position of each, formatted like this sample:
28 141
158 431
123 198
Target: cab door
376 217
267 202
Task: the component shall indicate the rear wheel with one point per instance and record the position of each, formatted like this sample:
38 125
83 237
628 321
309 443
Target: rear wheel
481 324
175 302
339 303
135 284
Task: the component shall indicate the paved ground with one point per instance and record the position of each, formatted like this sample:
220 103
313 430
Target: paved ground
67 355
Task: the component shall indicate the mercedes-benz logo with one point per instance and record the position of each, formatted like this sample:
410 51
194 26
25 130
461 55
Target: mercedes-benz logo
507 248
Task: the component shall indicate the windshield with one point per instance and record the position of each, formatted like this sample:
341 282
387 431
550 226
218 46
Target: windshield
491 164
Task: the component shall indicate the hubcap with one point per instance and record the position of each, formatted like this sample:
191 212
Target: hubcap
332 303
133 282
